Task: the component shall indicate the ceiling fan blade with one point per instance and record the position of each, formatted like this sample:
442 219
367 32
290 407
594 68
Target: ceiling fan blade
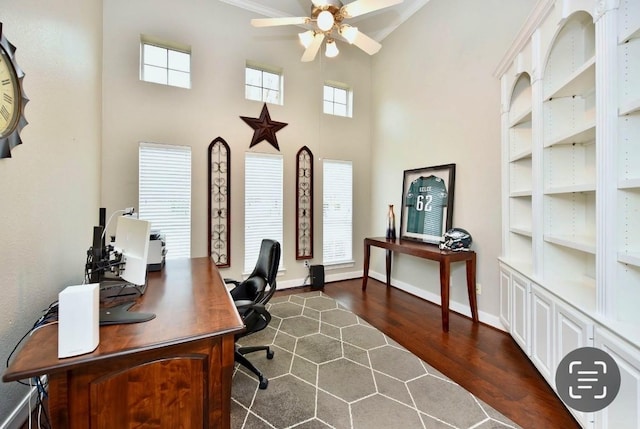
366 43
360 7
312 50
272 22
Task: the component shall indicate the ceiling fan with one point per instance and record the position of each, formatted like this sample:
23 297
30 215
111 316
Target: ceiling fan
326 17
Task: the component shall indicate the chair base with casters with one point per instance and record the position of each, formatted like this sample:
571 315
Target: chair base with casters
239 357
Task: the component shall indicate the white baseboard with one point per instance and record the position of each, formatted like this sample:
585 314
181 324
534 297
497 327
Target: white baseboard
288 284
464 309
486 318
20 414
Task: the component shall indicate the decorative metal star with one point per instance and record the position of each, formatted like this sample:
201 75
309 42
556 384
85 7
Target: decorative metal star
264 128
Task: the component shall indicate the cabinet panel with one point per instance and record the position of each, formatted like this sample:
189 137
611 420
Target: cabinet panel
572 331
542 332
505 297
623 412
520 315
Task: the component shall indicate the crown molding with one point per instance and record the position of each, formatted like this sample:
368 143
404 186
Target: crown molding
257 8
539 13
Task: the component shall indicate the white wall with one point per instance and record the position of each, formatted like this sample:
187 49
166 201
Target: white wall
436 102
50 187
222 39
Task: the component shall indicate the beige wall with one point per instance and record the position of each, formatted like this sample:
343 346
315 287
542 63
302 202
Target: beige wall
429 98
436 102
222 39
50 187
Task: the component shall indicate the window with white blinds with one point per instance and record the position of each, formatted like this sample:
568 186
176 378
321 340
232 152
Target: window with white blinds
164 194
337 212
263 175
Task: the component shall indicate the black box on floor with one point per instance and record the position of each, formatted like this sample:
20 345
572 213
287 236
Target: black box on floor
316 273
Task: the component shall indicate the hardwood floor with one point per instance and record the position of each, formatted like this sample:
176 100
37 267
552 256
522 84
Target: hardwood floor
482 359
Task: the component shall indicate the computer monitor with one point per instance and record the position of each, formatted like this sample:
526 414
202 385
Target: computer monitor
132 241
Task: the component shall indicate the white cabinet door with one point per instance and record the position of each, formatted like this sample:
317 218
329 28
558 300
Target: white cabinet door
520 312
624 411
505 297
542 332
572 331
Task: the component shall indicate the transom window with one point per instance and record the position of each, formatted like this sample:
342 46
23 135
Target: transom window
263 83
337 99
165 63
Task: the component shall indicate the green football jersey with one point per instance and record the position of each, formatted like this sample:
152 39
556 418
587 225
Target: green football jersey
425 202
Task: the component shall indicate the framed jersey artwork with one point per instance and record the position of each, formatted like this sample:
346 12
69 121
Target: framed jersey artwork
427 203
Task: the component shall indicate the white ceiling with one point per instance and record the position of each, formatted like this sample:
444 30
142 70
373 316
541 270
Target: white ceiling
376 25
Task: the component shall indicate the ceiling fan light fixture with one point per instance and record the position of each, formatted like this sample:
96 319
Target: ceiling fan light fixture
325 20
331 50
306 38
349 33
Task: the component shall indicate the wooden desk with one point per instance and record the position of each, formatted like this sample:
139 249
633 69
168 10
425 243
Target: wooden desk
173 371
432 252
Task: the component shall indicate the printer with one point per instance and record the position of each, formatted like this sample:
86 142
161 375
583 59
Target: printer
157 251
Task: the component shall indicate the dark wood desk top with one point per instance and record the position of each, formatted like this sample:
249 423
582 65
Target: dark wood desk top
190 302
416 248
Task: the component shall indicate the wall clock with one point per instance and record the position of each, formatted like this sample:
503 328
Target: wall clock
12 98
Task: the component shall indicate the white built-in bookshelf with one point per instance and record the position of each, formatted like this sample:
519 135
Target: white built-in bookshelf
570 263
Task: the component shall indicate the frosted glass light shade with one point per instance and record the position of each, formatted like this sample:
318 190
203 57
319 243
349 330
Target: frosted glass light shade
325 20
349 33
306 38
331 49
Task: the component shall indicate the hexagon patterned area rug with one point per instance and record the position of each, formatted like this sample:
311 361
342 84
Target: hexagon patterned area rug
334 370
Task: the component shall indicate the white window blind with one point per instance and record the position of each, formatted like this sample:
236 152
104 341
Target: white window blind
263 175
164 194
337 213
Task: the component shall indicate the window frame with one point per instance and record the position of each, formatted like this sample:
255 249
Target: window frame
329 185
348 95
252 193
264 91
169 67
179 167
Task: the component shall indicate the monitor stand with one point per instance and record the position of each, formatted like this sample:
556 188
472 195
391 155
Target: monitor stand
119 314
115 288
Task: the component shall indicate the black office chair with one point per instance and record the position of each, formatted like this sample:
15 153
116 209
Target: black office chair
250 297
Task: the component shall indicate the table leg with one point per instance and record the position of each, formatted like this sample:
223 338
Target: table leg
365 271
471 287
388 267
445 274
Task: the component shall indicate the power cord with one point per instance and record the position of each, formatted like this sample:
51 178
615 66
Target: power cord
49 317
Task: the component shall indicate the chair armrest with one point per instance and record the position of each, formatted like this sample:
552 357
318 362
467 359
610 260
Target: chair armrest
259 308
243 304
232 281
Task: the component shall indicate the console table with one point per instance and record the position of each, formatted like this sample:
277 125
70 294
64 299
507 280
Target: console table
431 252
172 371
